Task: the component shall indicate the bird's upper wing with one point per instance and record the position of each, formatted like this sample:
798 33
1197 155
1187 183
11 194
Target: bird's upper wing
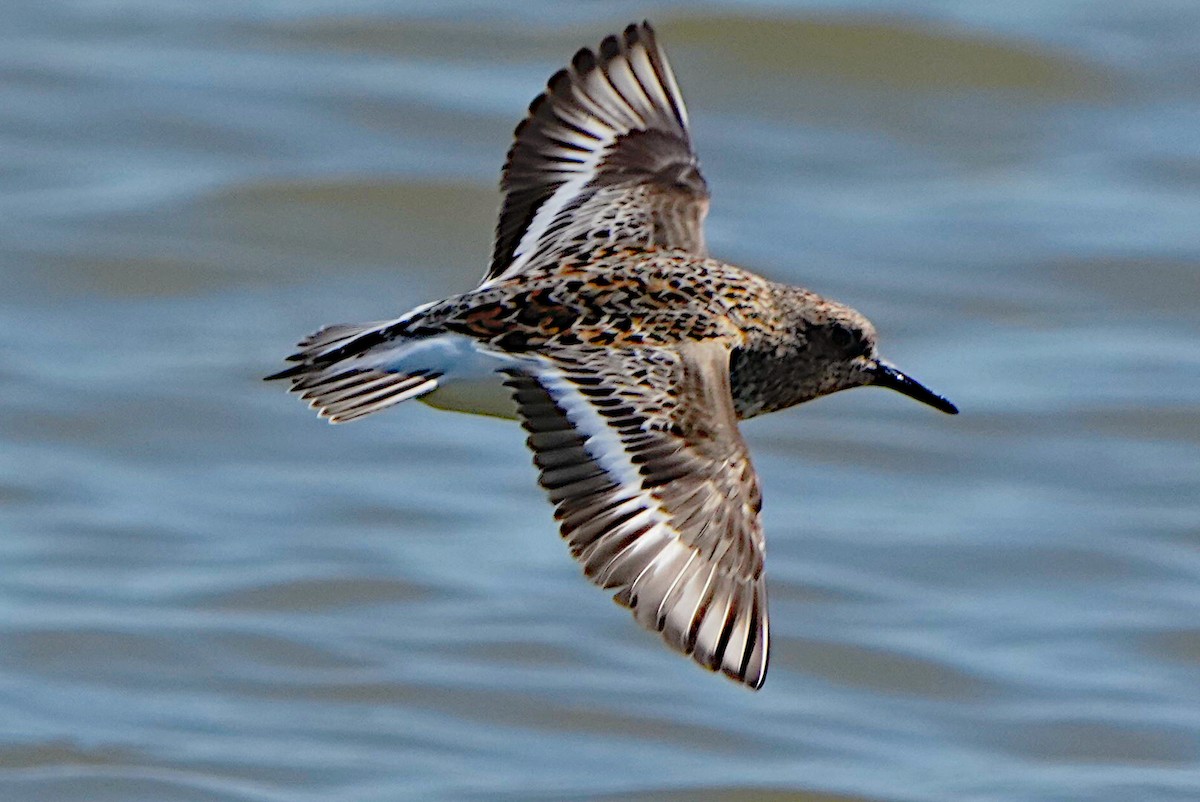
604 157
640 452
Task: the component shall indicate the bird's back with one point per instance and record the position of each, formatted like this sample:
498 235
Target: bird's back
613 297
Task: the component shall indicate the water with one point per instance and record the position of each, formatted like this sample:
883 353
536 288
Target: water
209 595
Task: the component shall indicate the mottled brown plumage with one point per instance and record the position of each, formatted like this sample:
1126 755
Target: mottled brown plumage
627 353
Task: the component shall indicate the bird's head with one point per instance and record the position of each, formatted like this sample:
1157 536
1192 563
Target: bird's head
851 358
838 345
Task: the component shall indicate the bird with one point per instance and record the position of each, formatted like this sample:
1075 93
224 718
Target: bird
628 354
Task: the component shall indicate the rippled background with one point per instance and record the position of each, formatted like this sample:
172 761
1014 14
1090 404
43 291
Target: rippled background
208 594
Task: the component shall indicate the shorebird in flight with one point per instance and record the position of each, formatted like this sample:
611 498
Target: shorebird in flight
628 354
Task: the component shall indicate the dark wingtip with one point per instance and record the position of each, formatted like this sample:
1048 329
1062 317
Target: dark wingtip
610 48
584 61
536 104
559 82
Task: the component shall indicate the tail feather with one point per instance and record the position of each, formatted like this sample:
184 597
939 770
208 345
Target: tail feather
343 376
328 338
377 395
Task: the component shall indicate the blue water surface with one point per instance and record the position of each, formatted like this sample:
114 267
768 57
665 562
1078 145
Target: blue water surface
207 594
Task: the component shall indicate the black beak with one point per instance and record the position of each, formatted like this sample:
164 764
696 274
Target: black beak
888 376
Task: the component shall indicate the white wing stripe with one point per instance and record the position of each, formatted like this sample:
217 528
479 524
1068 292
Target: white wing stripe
545 216
602 442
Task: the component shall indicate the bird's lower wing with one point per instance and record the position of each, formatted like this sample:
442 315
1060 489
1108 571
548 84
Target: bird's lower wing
639 450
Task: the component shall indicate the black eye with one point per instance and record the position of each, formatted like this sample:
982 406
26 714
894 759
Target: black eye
841 337
850 341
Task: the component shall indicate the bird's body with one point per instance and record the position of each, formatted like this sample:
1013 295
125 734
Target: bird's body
628 354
